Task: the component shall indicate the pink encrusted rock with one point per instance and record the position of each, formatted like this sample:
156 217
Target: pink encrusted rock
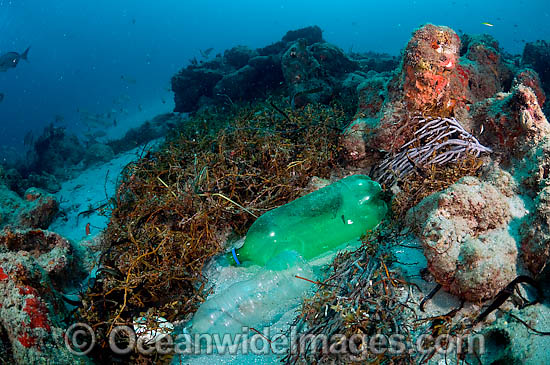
40 210
464 233
530 78
483 68
51 251
512 123
31 312
429 73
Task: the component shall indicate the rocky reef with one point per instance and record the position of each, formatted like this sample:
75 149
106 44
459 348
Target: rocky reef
454 130
494 98
302 65
458 135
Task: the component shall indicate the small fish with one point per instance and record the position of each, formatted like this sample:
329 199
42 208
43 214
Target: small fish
343 219
1 97
88 229
488 24
11 59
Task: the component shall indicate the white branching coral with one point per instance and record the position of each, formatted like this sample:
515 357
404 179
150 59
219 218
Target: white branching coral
439 141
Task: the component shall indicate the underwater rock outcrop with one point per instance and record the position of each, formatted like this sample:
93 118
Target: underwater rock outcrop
312 71
466 230
433 80
530 78
537 56
56 151
98 152
37 209
512 123
192 84
535 241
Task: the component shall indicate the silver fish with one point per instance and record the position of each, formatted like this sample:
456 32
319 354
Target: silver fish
11 59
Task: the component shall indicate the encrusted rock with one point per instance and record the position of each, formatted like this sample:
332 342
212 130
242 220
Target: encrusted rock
37 209
31 313
55 151
512 123
238 56
465 236
31 310
192 83
332 59
302 74
40 210
534 171
535 232
51 251
537 56
372 95
355 147
312 35
530 78
238 85
484 69
430 68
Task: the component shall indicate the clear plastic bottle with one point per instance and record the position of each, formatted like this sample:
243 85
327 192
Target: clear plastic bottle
255 302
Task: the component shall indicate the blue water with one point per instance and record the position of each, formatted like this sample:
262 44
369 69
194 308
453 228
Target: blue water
84 52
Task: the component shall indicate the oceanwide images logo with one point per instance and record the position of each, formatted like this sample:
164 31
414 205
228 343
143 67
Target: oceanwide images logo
80 339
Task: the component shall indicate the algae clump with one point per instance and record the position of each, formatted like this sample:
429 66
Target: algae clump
315 223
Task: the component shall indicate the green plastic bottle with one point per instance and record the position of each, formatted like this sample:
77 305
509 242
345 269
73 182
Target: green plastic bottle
314 223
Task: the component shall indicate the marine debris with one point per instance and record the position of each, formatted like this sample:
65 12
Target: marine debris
174 208
315 223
